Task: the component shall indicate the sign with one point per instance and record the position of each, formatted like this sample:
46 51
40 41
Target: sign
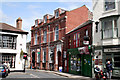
64 54
112 50
86 42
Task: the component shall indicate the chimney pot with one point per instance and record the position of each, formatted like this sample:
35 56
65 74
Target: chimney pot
19 23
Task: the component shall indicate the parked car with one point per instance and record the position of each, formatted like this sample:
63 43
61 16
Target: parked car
3 70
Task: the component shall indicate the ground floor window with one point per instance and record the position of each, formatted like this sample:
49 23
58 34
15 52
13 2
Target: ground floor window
75 62
117 60
10 58
114 58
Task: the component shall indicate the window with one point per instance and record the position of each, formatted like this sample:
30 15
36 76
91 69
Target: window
76 40
10 58
45 19
57 14
36 23
45 36
35 38
117 60
44 56
8 41
109 5
56 33
110 29
86 32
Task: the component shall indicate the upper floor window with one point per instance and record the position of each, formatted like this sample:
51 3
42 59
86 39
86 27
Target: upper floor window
45 36
7 41
109 29
109 5
36 23
57 14
45 20
86 32
35 38
56 33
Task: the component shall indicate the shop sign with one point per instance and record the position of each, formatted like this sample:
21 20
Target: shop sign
86 42
112 50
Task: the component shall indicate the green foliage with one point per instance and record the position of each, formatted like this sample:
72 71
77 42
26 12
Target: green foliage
21 54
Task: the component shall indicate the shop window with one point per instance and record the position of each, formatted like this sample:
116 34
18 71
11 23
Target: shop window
10 59
75 62
117 60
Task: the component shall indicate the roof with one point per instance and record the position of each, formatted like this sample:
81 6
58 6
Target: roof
80 26
9 28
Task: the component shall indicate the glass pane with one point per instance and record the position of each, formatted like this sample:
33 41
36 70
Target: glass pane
117 61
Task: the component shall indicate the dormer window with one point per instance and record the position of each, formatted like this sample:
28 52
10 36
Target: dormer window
45 20
109 5
57 14
36 23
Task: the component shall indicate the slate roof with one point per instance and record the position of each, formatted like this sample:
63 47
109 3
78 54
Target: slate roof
8 28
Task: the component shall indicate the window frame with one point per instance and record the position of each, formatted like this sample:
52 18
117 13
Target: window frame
112 29
108 3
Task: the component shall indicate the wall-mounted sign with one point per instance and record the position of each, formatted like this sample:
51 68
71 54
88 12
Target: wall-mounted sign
86 42
112 50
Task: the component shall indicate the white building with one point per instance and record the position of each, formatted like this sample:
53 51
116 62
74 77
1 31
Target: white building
106 34
12 42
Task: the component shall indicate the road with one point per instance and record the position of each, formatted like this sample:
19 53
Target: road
33 74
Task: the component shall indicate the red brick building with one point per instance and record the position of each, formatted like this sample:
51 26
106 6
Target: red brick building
48 36
77 51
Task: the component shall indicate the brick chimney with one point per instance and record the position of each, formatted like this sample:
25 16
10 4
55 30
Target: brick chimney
19 23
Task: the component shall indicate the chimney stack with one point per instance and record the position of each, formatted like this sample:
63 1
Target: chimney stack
19 23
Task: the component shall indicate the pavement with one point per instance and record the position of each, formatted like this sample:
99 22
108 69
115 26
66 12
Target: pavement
65 74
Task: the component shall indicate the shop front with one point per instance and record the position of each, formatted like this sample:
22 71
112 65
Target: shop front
112 54
80 61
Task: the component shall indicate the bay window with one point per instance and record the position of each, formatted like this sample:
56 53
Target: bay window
109 29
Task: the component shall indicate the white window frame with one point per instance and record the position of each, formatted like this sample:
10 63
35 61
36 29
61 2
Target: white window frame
35 38
57 14
56 33
45 36
109 4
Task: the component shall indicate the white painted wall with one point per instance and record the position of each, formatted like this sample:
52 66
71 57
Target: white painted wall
99 12
19 64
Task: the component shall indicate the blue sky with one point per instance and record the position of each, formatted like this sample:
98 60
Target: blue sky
29 11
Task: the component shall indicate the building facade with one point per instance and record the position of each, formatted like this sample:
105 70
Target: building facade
48 36
12 42
106 34
28 44
78 58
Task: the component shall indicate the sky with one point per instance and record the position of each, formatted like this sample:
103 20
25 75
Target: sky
30 10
